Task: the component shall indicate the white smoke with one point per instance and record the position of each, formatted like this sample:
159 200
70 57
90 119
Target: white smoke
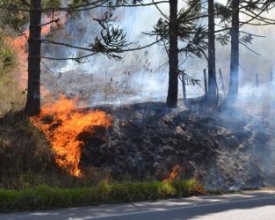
141 74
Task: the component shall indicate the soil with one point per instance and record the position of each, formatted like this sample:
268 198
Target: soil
226 149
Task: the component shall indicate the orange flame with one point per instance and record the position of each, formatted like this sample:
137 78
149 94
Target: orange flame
64 123
174 173
62 128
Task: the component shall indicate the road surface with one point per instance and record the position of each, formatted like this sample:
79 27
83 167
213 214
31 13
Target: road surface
247 205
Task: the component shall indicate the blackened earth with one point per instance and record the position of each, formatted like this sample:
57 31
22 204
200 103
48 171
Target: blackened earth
225 149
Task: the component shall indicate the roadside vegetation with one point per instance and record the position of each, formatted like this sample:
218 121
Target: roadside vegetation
29 176
46 197
30 179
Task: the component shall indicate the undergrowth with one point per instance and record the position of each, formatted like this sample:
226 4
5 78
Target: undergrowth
23 150
29 176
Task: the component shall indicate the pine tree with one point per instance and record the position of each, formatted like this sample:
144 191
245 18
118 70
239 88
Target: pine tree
212 84
33 96
234 59
172 96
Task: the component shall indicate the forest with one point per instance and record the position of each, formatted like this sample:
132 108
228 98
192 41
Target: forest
119 101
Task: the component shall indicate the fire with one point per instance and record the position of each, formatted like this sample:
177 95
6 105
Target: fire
176 170
62 123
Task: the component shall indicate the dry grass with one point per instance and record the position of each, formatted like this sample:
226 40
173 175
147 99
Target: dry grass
23 150
27 158
12 99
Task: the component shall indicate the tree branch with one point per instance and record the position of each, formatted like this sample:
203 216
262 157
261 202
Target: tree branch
249 49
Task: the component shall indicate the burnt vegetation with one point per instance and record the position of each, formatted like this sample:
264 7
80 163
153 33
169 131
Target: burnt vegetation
147 140
223 141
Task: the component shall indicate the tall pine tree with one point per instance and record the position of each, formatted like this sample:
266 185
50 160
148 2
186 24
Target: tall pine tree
33 96
172 96
212 84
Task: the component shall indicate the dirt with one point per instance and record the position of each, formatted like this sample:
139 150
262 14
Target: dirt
225 149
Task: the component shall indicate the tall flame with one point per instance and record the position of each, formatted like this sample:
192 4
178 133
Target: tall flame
62 123
59 121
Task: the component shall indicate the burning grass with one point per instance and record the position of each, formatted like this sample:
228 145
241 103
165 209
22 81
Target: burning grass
28 160
29 179
62 124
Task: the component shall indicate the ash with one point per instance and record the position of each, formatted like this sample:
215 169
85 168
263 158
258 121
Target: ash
224 149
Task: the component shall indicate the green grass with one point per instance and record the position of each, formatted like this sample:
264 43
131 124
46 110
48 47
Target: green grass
46 197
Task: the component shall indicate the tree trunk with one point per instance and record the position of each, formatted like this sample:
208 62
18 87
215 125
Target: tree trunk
172 96
212 84
33 96
234 60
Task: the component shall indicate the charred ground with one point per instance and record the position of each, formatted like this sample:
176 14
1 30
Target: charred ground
225 149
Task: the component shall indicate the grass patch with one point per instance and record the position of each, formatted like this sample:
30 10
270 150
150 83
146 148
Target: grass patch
46 197
187 187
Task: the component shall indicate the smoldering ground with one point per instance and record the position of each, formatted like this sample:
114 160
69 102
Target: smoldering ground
227 149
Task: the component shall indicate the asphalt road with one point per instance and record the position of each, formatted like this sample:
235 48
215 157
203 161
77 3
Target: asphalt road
247 205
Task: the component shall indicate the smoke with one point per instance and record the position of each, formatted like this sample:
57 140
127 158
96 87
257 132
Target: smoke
140 75
143 76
